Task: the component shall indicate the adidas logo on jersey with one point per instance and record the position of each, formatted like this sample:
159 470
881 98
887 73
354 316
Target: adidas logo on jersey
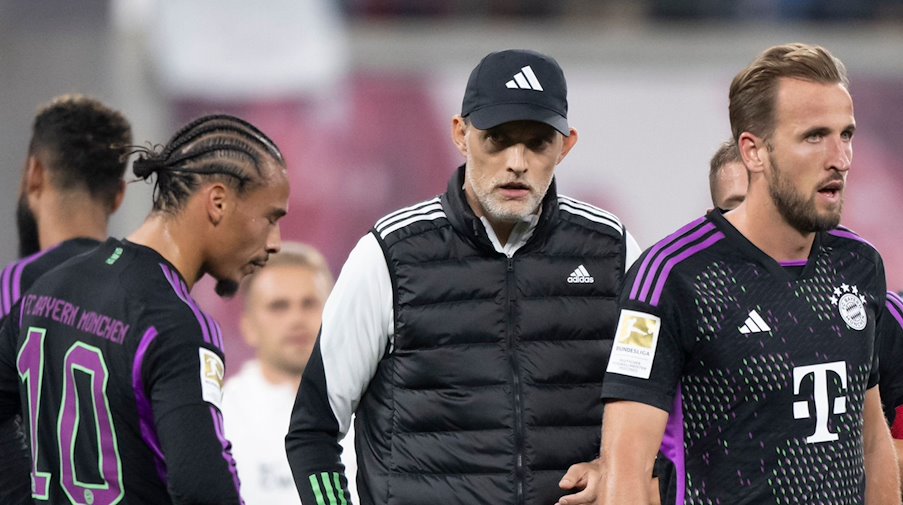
525 79
754 324
580 276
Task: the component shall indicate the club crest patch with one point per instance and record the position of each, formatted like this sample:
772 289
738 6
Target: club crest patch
851 305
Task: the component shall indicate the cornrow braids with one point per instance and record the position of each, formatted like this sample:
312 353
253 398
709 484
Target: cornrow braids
217 147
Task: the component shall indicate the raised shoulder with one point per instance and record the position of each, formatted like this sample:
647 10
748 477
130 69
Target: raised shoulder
573 208
429 210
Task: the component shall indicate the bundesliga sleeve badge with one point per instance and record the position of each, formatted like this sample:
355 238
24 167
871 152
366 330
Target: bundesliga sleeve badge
634 347
212 374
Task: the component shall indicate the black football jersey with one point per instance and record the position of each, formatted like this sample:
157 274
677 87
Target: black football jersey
890 356
119 375
18 276
762 366
15 279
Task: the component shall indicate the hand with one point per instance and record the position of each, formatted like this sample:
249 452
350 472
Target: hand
584 477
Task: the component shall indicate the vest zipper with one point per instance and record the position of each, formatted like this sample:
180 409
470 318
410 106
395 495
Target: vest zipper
519 476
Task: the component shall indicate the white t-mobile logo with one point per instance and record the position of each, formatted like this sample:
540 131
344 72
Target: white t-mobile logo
820 390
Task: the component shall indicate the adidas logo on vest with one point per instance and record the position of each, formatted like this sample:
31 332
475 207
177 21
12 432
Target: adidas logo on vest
580 276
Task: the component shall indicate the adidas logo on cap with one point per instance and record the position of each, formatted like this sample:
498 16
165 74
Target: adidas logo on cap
525 79
580 276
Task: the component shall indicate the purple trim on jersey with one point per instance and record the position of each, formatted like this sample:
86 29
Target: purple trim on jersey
794 263
847 233
227 448
218 333
11 282
176 284
644 271
145 409
216 337
5 289
705 244
895 306
673 446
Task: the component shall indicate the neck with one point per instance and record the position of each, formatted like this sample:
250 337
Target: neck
277 376
64 218
762 224
502 230
170 236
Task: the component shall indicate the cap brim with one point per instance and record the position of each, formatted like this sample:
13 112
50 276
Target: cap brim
494 115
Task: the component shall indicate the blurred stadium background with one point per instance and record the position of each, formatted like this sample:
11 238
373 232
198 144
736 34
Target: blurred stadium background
359 95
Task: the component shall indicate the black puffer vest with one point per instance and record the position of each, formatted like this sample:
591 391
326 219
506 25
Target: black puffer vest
490 388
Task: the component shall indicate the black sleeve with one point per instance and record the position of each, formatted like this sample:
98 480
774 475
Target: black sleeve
9 375
648 352
184 382
312 446
889 332
15 462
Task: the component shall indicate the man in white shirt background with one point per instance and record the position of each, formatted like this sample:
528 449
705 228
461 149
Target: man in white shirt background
283 305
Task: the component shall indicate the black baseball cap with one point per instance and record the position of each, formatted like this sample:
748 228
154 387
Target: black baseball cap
517 85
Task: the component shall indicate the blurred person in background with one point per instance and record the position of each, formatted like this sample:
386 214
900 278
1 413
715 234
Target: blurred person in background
283 306
728 179
117 372
72 182
891 381
749 340
465 332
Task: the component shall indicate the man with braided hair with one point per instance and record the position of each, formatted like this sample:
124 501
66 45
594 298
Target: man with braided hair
71 184
108 356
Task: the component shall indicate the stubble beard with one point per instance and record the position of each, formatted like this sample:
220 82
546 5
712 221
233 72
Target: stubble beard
498 210
226 288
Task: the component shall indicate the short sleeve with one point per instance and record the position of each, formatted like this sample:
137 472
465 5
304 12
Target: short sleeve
648 351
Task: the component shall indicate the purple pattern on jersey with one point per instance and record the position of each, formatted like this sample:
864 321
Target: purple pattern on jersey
227 448
643 271
895 306
145 410
673 446
842 232
209 328
669 265
794 263
11 281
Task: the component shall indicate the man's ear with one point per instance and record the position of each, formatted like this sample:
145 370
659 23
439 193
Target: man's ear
752 150
459 134
35 177
569 142
120 196
216 198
